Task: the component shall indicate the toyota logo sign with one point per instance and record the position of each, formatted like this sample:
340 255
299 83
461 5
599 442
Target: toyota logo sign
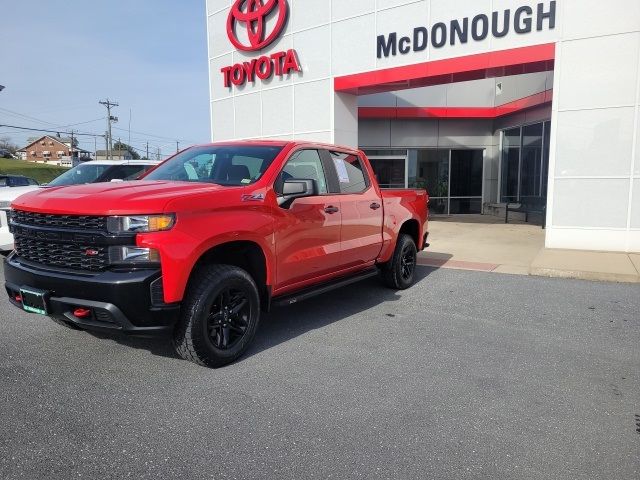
264 21
252 15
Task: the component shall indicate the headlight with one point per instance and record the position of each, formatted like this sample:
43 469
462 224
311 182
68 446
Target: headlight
140 223
4 205
133 255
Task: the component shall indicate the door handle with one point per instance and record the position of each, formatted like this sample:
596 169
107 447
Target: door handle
331 209
374 206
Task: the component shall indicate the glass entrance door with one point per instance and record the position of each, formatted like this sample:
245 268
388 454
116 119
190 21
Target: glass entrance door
466 181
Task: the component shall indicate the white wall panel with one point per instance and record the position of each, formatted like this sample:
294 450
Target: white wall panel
595 203
308 13
218 40
277 111
312 106
595 142
222 119
593 18
384 4
599 72
635 204
341 9
353 45
215 5
636 165
216 83
248 120
314 43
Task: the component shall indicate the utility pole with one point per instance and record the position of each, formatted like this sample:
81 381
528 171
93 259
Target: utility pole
109 104
177 146
119 149
147 157
95 147
158 155
71 149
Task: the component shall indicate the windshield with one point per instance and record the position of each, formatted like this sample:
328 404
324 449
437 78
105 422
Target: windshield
223 165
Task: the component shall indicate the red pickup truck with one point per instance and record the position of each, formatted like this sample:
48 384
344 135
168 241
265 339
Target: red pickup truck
208 239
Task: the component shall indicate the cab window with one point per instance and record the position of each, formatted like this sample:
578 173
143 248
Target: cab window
352 176
304 165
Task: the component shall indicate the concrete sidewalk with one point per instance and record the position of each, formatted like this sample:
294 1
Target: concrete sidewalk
485 243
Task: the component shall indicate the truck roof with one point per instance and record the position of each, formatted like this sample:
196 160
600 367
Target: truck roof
280 143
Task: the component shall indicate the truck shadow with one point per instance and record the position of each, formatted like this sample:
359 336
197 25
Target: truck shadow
285 323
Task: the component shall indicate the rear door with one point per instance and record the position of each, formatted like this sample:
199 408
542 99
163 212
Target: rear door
307 232
361 208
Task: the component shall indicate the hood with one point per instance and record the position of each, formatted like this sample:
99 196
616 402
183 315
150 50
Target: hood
119 198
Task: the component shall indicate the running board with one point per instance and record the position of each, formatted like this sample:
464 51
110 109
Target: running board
301 295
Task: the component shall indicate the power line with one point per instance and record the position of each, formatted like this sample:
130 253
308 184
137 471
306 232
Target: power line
56 131
173 139
26 117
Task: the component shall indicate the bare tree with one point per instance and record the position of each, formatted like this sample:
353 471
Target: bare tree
6 145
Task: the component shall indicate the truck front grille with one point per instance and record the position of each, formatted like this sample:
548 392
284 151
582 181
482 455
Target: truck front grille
63 255
71 222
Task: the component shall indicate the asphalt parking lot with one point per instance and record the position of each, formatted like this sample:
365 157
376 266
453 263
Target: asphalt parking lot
466 375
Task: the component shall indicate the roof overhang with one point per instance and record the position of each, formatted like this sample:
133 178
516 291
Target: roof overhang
516 61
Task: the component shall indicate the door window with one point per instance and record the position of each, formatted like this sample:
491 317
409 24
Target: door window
304 165
352 177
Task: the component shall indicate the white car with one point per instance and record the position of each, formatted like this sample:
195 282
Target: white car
103 171
8 195
87 172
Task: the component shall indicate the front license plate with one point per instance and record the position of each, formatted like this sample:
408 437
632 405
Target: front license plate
34 301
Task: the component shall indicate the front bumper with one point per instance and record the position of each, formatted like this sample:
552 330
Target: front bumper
118 301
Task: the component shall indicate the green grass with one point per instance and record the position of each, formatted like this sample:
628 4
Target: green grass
41 172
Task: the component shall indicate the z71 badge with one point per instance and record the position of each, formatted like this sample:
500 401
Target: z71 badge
256 197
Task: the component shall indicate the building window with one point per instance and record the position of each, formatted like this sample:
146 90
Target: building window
453 178
525 163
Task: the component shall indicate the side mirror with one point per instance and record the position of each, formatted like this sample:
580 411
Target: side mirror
297 188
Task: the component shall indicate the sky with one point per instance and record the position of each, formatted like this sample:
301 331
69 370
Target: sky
58 58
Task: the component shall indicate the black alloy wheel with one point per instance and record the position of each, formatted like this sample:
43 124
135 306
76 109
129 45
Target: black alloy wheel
219 316
399 272
408 259
229 318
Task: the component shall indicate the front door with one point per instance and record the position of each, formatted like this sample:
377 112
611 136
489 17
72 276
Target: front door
307 232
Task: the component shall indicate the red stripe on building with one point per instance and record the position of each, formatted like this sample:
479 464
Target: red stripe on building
516 61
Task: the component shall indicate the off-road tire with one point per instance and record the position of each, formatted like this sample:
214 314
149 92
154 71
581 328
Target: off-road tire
191 337
392 271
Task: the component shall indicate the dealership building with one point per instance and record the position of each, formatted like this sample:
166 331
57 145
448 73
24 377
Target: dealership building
482 102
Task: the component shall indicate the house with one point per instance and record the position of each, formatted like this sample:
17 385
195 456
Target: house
123 154
54 150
